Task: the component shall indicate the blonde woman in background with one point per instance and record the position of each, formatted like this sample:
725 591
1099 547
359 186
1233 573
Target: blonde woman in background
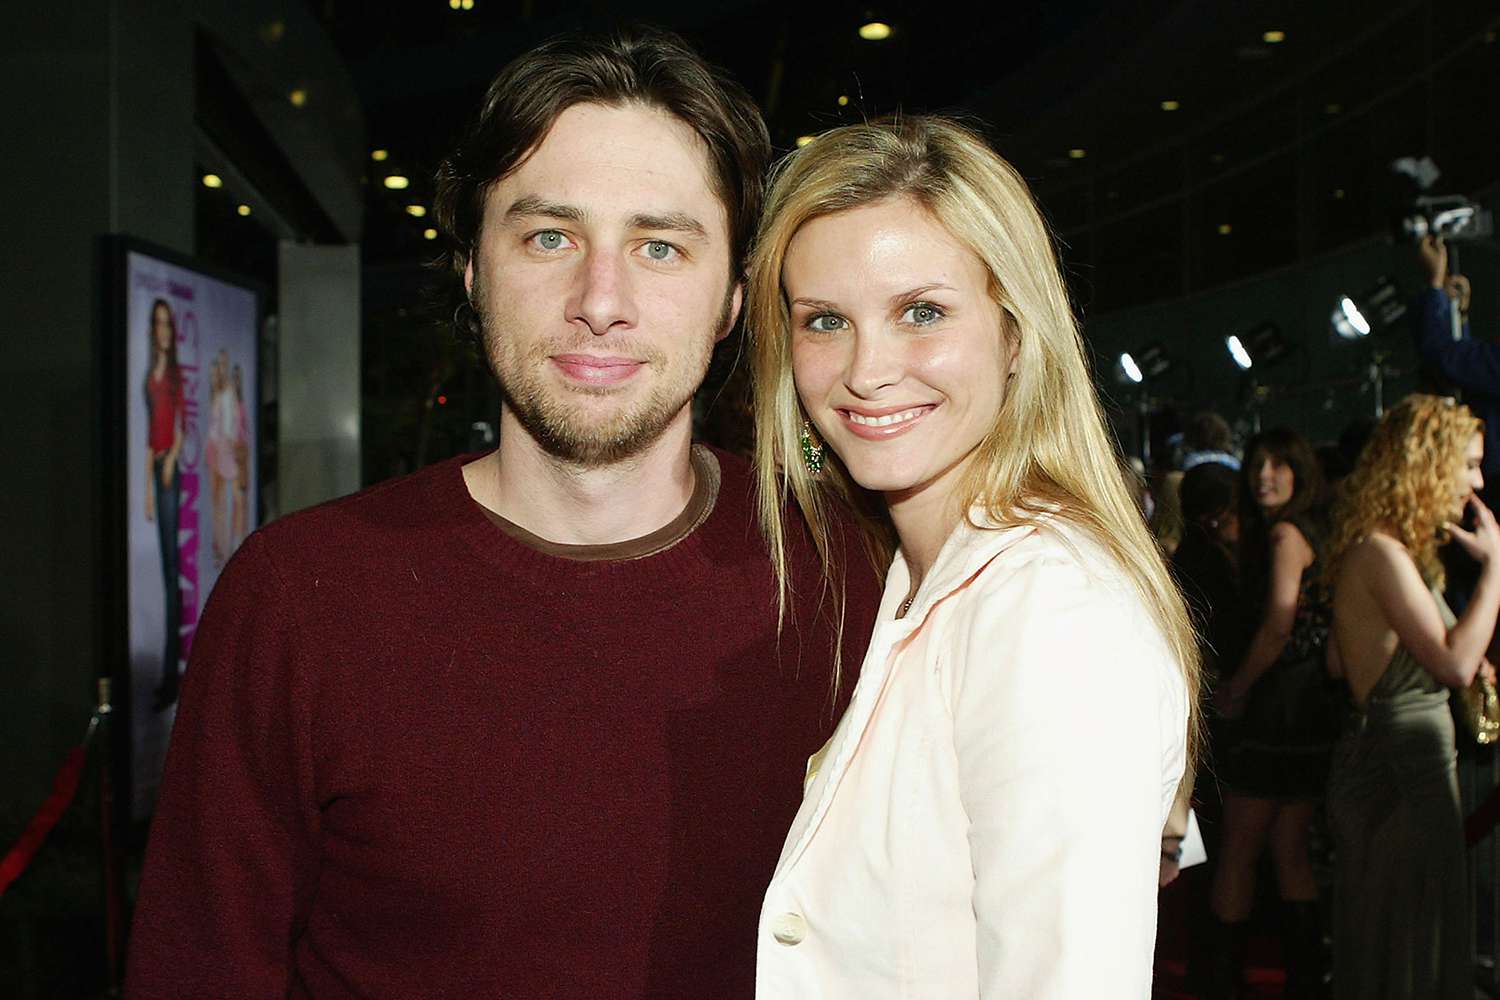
986 820
1401 906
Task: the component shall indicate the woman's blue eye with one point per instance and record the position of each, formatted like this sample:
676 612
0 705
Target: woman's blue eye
659 250
825 323
549 239
922 314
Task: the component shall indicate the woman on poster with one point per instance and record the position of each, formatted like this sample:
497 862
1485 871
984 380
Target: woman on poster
164 408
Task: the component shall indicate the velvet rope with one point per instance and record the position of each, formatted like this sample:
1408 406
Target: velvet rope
64 787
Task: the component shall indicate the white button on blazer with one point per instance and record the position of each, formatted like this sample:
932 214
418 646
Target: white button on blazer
986 820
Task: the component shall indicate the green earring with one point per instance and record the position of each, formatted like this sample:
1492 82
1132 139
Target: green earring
812 449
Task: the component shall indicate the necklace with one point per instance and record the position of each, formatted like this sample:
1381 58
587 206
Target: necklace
906 606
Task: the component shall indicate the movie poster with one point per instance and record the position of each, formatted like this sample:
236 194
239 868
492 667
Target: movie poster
190 380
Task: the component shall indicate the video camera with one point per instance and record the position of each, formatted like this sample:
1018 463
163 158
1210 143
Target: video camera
1450 217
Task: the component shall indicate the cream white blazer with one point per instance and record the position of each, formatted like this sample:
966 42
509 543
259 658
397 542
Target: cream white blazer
986 820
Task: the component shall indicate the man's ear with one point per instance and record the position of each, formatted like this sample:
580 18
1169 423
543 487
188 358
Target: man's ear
736 300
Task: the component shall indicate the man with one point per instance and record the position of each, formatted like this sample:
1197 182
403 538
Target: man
1468 364
526 725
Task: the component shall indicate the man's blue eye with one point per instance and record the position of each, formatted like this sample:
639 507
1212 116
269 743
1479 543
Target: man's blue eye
549 240
659 250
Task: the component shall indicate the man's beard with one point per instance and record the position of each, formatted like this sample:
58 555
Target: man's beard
570 432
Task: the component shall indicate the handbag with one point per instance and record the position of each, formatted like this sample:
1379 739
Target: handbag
1481 710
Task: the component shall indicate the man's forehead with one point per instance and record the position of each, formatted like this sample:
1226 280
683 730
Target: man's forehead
612 159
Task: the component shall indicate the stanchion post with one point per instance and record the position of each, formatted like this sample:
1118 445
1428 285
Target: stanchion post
114 894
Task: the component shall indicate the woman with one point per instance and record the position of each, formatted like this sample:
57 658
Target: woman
1279 714
1401 883
986 820
164 423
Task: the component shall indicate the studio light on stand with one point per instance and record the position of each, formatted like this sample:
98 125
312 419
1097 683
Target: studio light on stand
1139 370
1354 320
1258 348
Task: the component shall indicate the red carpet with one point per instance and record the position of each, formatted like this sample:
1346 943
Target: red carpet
1264 978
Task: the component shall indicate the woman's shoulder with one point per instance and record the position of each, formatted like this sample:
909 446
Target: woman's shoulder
1059 556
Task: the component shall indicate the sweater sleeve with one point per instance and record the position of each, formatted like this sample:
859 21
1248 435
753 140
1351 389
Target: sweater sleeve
231 862
1472 365
1069 718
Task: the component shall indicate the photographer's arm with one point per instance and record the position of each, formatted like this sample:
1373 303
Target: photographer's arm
1472 365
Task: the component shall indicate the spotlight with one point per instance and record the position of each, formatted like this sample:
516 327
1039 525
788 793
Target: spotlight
397 182
874 31
380 155
243 210
429 234
416 211
1263 345
1354 318
1238 353
843 100
213 181
1151 362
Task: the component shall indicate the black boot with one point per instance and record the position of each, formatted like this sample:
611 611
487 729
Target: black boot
1303 952
1222 962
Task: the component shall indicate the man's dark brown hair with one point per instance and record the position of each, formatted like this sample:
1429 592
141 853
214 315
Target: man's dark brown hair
649 66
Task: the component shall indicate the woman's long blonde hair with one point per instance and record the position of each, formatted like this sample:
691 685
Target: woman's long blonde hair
1403 484
1048 451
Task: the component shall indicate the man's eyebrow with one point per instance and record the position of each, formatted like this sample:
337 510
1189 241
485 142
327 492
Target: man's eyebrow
530 204
677 222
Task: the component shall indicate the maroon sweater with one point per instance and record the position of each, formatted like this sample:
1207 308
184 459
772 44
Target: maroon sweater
416 757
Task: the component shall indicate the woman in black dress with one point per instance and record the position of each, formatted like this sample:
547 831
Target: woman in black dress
1276 710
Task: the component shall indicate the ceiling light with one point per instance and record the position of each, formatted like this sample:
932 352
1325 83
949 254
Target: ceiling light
843 100
1170 105
397 182
1332 108
467 4
1225 229
429 234
380 155
875 31
453 4
213 181
416 211
1273 37
243 209
1077 154
298 97
1238 353
803 140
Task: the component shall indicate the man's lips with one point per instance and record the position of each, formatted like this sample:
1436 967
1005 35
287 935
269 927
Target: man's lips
596 369
885 423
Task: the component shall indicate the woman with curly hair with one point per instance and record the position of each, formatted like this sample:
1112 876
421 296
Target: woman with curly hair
1401 918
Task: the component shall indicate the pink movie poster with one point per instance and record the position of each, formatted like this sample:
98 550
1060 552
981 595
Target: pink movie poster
191 372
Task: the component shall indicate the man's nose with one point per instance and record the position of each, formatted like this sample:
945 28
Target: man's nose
603 299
